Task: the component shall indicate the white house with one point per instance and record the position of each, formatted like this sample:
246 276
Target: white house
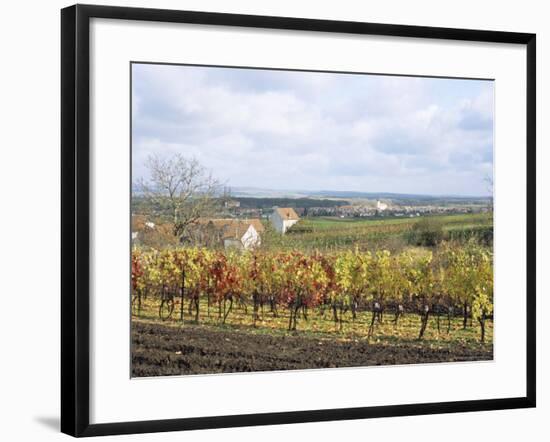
242 239
241 235
283 218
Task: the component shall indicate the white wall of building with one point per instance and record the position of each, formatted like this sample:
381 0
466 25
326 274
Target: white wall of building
251 238
287 224
277 222
280 224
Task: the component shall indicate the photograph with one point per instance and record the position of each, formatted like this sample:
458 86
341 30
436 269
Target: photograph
296 220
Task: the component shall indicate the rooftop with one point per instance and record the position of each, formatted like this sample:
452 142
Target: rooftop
287 213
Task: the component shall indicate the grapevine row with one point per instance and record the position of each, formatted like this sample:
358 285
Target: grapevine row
450 280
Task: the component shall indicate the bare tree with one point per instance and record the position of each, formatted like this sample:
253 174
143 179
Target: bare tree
181 187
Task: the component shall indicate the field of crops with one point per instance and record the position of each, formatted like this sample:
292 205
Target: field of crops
330 233
241 344
442 298
316 295
404 223
320 323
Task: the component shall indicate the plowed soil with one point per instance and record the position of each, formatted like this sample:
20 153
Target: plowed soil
160 350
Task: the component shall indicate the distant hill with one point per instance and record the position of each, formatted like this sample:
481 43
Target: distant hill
258 197
251 192
269 202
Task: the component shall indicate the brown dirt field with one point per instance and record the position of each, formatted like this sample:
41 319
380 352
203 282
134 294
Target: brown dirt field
160 350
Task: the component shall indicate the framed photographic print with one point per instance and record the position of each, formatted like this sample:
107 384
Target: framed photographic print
308 220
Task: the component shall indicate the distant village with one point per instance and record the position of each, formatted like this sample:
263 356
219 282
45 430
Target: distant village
377 208
388 209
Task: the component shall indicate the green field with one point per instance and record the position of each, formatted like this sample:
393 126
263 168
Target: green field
331 233
449 221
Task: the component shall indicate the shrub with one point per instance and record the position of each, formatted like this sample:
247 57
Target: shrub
426 232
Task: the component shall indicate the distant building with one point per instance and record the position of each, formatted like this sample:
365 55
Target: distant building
241 237
140 222
380 206
232 204
283 218
234 233
139 225
155 234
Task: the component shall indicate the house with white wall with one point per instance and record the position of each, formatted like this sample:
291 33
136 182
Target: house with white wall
283 218
234 233
241 236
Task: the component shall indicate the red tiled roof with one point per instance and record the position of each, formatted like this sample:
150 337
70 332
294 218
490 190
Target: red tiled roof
287 213
233 228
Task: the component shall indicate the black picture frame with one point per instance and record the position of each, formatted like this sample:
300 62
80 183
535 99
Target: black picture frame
75 212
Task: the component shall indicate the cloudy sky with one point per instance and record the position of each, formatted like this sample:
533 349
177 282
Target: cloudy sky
317 131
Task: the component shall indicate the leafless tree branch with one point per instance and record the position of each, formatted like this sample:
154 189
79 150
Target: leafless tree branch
182 187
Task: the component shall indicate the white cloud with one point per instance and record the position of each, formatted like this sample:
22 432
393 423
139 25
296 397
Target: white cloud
277 129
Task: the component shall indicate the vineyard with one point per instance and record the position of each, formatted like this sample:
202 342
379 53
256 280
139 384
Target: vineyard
333 234
367 292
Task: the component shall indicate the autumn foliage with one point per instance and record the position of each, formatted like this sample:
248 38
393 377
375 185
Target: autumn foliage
453 279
